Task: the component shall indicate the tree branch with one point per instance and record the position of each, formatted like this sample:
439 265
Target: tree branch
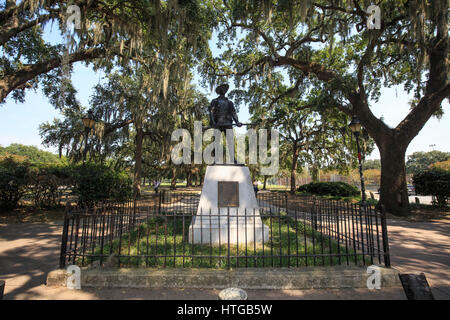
427 106
113 127
12 32
299 42
12 81
262 34
315 68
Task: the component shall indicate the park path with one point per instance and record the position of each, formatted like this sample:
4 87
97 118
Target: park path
423 247
29 251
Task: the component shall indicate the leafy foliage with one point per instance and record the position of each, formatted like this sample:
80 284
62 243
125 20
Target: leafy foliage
435 182
32 153
28 170
111 33
420 161
48 183
372 176
372 164
330 45
445 165
337 189
311 133
14 179
93 183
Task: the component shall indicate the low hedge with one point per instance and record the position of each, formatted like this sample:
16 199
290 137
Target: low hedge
336 189
14 180
93 183
48 183
435 182
45 184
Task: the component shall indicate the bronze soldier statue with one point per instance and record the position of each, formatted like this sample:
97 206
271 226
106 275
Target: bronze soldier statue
222 112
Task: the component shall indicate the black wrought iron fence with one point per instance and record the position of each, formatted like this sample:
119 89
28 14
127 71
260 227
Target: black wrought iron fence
167 231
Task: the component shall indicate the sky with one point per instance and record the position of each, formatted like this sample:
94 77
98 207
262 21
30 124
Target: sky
19 122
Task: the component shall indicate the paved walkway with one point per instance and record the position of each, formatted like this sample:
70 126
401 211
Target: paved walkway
423 247
29 251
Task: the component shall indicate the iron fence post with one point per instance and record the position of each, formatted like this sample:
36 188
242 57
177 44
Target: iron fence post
286 202
134 211
314 214
160 200
64 237
387 258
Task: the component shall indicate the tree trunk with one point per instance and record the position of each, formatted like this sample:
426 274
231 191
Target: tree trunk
188 177
265 182
200 178
315 174
393 191
173 183
295 152
138 163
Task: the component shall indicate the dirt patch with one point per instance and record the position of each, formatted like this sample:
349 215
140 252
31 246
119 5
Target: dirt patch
423 214
27 214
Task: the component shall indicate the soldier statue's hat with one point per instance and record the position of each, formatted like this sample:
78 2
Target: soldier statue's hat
224 86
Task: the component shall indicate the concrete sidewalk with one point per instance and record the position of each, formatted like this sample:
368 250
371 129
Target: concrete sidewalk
29 251
423 247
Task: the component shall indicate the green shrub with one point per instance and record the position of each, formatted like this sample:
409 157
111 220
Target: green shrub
34 155
48 183
369 202
337 189
93 183
435 182
14 180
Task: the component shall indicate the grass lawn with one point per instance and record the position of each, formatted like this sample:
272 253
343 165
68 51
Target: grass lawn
163 242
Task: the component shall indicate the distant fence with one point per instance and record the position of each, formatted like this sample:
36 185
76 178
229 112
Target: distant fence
155 232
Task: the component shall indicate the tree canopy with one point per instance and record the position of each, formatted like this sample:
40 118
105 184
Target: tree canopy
332 46
33 154
111 32
304 67
420 161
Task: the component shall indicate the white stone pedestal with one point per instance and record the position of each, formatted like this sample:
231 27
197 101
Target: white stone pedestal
239 224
